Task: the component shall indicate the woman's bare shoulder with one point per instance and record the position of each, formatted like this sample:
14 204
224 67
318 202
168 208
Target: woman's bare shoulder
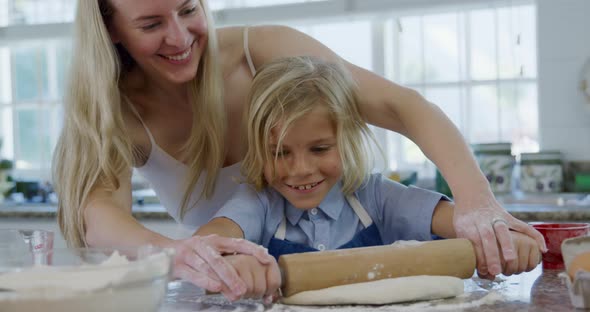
230 48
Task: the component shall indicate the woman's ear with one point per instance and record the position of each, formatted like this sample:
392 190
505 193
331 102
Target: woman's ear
113 34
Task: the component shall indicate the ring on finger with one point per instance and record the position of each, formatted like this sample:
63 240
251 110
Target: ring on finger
496 220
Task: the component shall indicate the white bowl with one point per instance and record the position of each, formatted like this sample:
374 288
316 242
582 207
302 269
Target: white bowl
88 279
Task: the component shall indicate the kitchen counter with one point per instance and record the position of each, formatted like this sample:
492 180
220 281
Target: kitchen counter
537 290
8 210
525 212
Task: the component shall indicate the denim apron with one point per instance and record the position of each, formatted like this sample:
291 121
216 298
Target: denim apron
369 236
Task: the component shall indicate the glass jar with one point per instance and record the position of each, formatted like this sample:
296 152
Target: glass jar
497 163
541 172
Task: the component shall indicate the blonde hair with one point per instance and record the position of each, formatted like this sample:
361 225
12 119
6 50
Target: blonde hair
94 146
289 88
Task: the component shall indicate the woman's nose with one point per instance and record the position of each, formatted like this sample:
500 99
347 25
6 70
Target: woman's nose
176 34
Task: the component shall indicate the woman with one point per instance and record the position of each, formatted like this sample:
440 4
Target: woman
152 88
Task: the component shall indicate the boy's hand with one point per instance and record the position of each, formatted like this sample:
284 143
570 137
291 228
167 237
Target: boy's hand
199 259
262 280
528 255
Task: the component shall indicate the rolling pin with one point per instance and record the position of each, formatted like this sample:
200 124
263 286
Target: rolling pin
317 270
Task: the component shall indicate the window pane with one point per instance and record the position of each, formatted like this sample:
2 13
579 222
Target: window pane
507 44
338 37
3 13
412 153
441 50
64 51
222 4
527 52
35 144
519 116
410 50
5 93
483 45
7 150
483 116
42 11
449 100
30 73
517 42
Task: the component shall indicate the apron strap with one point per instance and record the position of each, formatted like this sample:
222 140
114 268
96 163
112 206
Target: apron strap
359 210
282 230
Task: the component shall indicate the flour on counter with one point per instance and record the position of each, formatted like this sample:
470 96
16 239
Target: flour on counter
435 305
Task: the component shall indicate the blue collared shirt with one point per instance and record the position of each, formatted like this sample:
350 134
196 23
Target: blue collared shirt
400 213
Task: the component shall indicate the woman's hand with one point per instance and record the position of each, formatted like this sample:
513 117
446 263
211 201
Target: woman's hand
262 280
199 260
487 225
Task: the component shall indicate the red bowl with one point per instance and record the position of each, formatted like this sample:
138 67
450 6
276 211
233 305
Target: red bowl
555 234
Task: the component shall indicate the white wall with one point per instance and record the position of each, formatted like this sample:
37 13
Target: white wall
564 48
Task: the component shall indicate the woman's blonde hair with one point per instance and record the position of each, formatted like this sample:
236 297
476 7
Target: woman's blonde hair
94 147
288 89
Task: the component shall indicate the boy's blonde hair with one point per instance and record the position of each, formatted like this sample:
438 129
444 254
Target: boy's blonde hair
94 147
288 89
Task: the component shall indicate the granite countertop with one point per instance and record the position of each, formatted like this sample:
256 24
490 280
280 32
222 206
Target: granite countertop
537 290
8 210
526 212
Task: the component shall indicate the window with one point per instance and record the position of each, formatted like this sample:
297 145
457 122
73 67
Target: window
227 4
16 12
478 65
338 36
476 61
30 103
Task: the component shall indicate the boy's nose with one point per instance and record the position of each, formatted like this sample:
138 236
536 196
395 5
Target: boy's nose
301 166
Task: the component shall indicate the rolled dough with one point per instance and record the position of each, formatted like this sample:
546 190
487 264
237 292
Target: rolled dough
384 291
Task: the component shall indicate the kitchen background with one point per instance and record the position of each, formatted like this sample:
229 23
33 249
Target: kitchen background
503 70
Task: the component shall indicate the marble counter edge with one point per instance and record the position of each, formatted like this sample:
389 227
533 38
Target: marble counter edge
156 211
150 211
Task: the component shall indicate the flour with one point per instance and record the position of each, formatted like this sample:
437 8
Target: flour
218 303
406 243
435 305
114 285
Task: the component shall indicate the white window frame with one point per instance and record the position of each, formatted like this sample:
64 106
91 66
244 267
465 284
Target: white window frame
378 11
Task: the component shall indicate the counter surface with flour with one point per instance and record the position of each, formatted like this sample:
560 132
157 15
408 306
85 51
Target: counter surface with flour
532 291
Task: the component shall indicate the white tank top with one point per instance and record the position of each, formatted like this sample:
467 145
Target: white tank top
168 175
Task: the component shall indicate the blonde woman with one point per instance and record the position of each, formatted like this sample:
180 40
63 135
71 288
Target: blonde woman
309 184
154 86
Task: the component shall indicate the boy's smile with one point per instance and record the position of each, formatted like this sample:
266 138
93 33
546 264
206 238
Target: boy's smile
308 163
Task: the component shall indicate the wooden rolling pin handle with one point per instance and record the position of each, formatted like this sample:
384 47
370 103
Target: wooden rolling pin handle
317 270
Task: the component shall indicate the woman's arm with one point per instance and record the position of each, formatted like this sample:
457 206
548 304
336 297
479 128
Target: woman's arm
108 219
528 256
388 105
198 259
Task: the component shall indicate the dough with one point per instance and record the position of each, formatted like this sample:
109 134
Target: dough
385 291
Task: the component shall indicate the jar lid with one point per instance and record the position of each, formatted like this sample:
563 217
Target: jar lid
492 147
542 155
